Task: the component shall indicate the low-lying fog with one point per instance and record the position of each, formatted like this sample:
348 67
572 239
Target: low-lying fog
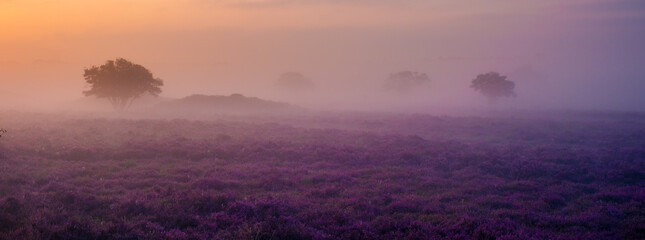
573 55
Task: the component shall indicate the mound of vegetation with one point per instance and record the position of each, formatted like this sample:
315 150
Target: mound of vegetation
232 103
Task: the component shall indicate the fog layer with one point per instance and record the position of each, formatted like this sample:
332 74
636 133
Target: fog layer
561 55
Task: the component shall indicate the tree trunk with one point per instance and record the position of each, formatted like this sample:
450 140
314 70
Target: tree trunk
121 103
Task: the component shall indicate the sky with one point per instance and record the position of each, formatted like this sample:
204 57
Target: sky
561 54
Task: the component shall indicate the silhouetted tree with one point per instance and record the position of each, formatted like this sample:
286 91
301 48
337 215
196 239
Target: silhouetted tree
493 86
121 82
294 81
2 131
405 81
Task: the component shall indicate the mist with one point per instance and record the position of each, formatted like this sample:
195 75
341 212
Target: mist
322 119
573 55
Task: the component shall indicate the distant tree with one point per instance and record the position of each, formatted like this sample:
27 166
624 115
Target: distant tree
121 82
405 81
2 131
294 81
493 86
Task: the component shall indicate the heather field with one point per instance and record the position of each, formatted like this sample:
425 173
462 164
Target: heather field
569 175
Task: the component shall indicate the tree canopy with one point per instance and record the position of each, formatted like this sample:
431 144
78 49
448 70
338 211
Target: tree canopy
493 86
121 82
405 81
294 81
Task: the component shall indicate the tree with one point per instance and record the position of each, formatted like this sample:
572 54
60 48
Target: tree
406 81
121 82
493 86
2 131
294 81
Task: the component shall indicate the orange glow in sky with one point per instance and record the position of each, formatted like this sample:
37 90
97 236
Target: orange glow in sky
227 46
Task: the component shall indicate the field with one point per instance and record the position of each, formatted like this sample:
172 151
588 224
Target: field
564 175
